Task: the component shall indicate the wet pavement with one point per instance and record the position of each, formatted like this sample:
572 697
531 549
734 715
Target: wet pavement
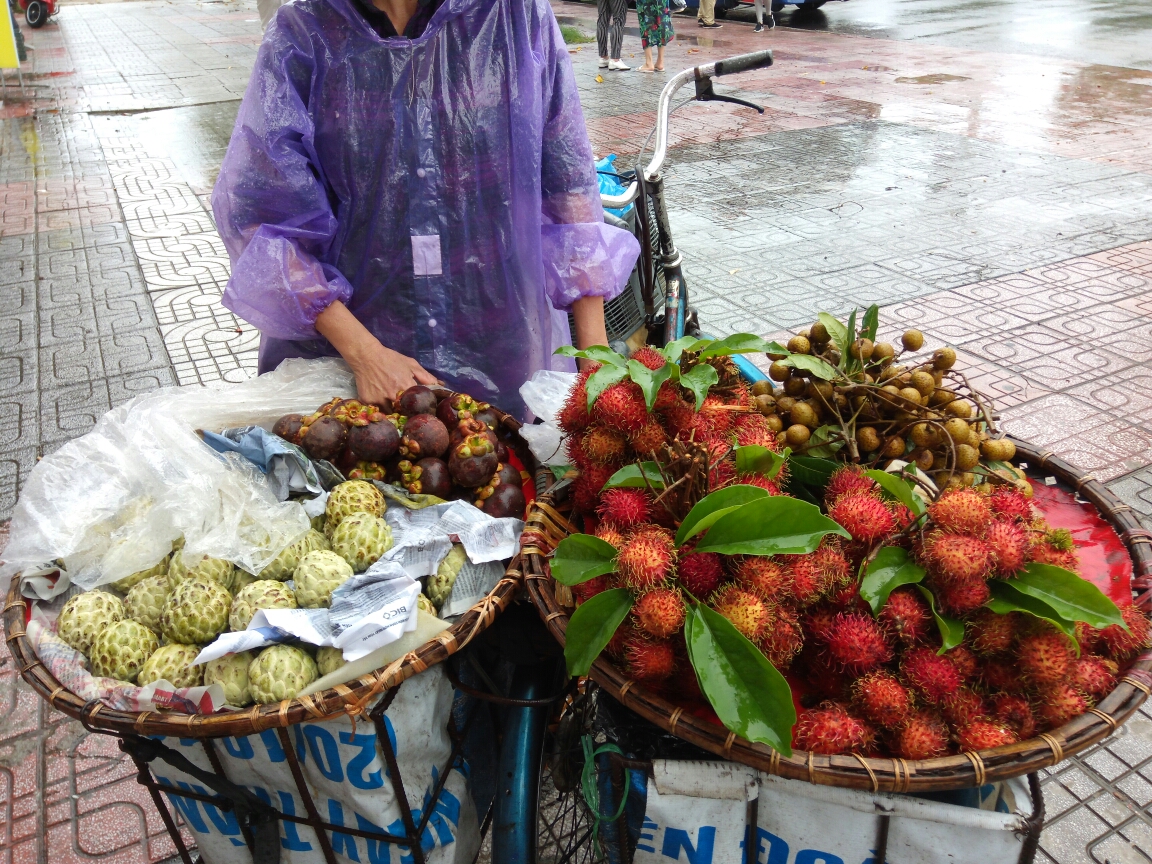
982 170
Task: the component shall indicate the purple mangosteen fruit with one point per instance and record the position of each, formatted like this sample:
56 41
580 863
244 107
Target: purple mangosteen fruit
473 461
506 500
424 436
417 399
324 438
289 427
374 442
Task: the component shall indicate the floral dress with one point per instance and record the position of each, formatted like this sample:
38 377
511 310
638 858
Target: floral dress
655 23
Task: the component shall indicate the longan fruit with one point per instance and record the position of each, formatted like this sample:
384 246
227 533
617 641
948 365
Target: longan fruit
766 404
922 458
890 372
818 390
911 394
784 404
922 381
894 448
797 435
944 358
818 332
883 352
912 340
803 333
800 345
779 372
763 388
924 435
967 457
957 430
967 479
862 349
803 414
941 397
984 488
795 386
960 408
938 376
998 449
775 423
868 439
841 401
891 390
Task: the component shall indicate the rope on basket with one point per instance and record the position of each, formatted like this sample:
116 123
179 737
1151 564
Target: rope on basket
1057 750
1139 684
901 775
1107 718
871 773
978 767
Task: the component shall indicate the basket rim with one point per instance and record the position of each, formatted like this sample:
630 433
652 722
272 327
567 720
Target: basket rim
339 701
877 774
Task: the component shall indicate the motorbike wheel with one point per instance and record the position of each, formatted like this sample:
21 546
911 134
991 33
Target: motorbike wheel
36 14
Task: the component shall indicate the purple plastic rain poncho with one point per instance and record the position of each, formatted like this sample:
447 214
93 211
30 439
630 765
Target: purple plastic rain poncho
443 188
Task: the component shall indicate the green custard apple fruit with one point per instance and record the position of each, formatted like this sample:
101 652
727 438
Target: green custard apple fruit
261 594
360 539
328 660
425 605
231 673
279 673
319 574
129 582
85 615
355 496
440 583
120 650
216 569
196 612
172 663
146 600
288 560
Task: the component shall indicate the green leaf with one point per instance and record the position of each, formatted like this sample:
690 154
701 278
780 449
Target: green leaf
837 332
852 334
699 379
822 444
714 506
814 365
602 379
580 557
592 626
951 629
599 353
673 350
1006 598
811 470
898 489
1072 598
776 525
737 343
749 695
891 568
775 348
871 323
754 459
649 379
632 477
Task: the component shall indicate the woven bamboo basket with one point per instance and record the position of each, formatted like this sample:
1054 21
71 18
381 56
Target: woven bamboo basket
548 525
352 698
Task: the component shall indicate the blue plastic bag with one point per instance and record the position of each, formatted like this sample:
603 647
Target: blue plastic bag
609 185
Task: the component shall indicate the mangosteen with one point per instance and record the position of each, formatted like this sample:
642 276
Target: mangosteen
346 461
324 439
470 426
367 471
501 450
488 416
375 442
452 409
288 427
473 461
417 399
507 500
509 475
426 477
424 435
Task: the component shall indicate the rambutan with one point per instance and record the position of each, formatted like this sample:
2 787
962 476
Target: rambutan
848 480
984 735
906 616
833 564
961 511
1007 501
963 706
646 560
753 429
647 659
957 557
722 474
649 357
857 643
1094 676
668 396
714 419
587 590
1121 644
1087 636
1044 658
625 508
959 597
1010 545
931 676
765 577
783 640
650 439
1057 549
1014 712
586 489
574 416
862 515
809 583
1001 675
964 660
818 622
700 573
625 633
621 408
610 533
678 419
903 516
1056 705
659 612
882 699
602 446
759 480
924 736
747 612
831 729
991 633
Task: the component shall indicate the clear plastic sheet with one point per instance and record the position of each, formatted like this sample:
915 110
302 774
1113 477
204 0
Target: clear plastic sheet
545 395
111 502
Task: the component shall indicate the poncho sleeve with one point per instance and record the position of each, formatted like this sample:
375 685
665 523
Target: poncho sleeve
270 203
583 257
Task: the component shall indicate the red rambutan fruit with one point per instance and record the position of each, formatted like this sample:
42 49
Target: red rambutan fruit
759 480
765 577
809 583
621 407
847 599
602 446
862 515
966 663
1001 675
961 511
713 420
903 516
753 429
1044 658
647 659
646 560
882 699
747 612
586 489
649 357
1093 675
587 590
678 418
833 564
625 633
1121 644
931 676
848 480
1010 546
668 396
857 643
831 729
574 416
984 735
625 508
963 706
924 736
1014 712
783 640
990 633
959 597
957 557
818 622
650 439
1010 503
610 533
1057 549
1087 636
906 616
700 573
1056 705
659 612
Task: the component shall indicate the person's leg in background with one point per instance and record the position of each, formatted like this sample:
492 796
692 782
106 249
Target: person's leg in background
760 4
616 35
603 12
706 14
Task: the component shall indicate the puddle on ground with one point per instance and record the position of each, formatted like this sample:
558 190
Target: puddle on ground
937 78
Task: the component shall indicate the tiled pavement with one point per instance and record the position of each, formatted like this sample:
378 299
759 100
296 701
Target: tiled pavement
1002 203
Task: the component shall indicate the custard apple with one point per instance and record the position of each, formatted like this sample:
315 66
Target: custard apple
172 663
425 605
196 612
319 574
360 539
355 496
286 562
261 594
145 601
231 673
85 615
119 651
216 569
318 523
329 660
129 582
241 579
280 672
441 582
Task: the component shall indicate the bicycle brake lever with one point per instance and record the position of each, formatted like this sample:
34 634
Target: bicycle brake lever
705 93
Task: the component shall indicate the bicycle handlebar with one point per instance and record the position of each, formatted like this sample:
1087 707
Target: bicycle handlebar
729 66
